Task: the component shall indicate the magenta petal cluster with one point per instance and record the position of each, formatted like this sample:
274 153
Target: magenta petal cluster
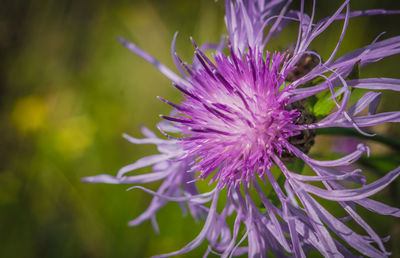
236 123
234 117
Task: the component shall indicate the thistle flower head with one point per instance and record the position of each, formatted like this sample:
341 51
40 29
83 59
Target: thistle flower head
235 116
243 113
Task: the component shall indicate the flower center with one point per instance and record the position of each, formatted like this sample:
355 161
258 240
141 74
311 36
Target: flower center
234 117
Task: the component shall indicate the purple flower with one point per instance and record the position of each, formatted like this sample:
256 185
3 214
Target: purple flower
244 114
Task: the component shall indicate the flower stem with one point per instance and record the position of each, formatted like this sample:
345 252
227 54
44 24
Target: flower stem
390 142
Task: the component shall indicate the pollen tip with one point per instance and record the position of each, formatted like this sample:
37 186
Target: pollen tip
162 99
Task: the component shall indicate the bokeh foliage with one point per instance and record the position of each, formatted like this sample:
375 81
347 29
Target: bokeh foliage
68 90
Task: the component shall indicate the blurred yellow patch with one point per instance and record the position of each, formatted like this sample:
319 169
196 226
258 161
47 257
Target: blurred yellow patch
29 113
75 135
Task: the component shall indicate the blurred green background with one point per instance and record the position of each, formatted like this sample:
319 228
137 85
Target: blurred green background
68 90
